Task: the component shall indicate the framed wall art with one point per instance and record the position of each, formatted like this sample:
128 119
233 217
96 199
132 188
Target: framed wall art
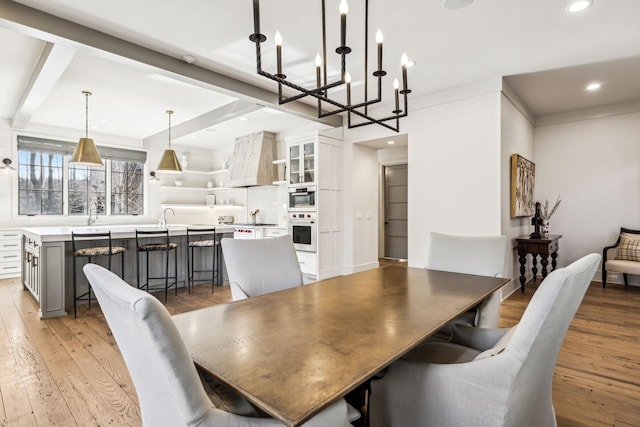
522 186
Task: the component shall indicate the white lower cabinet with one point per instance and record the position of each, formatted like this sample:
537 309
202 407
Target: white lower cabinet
9 253
308 266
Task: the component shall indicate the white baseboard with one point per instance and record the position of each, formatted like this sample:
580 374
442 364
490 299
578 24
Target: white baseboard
350 269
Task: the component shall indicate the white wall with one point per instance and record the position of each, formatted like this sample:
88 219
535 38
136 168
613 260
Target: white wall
364 175
516 134
593 164
6 179
454 168
454 171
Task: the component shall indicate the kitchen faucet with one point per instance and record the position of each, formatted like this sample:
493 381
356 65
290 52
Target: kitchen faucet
163 220
92 218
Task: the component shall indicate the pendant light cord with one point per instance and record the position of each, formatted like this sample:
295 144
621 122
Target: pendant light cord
86 113
169 112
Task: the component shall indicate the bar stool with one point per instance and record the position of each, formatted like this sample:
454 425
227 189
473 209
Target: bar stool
196 240
159 243
80 239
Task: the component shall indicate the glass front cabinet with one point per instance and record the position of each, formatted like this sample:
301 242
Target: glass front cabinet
302 162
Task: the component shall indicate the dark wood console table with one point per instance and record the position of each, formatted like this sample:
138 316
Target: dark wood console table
547 245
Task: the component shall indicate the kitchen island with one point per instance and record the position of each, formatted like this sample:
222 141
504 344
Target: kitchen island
47 260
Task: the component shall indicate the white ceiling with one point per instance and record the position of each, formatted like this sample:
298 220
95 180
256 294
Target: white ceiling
522 39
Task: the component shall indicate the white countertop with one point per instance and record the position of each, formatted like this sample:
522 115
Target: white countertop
119 231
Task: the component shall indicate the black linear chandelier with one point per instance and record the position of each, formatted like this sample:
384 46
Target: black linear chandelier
321 91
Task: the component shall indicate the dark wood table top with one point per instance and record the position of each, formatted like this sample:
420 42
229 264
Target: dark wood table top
294 352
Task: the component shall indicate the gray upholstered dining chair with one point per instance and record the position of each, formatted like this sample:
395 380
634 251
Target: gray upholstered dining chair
260 266
481 255
169 388
488 377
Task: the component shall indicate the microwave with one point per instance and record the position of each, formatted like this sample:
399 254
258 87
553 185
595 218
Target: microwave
302 199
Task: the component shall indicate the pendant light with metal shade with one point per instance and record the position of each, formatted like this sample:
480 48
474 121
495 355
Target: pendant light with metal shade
86 153
169 161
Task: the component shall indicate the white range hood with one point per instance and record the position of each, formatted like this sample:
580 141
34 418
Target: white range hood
252 160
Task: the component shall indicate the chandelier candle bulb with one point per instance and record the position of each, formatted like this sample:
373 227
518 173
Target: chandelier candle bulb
318 65
344 8
396 85
347 79
379 40
278 40
403 61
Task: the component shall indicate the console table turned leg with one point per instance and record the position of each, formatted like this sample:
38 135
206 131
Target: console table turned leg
523 261
553 260
534 266
545 263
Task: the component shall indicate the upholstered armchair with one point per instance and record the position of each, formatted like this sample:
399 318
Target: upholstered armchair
481 255
260 266
487 377
627 258
169 388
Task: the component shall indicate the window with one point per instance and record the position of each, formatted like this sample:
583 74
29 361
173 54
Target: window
49 185
87 190
126 188
39 183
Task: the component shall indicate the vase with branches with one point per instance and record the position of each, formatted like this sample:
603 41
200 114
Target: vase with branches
547 212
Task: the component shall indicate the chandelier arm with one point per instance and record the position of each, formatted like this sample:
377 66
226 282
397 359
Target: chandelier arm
362 104
306 92
315 94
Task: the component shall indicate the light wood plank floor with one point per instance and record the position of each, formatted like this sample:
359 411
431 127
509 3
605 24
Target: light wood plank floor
69 372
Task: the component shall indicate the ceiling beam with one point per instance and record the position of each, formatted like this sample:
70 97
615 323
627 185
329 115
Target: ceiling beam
35 23
53 61
204 121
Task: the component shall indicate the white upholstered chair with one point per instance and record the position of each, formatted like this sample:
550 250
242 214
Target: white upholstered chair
169 388
488 377
260 266
481 255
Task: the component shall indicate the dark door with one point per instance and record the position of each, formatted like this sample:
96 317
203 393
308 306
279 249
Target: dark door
395 211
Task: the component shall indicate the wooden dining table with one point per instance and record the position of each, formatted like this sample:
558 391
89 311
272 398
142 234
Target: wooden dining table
294 352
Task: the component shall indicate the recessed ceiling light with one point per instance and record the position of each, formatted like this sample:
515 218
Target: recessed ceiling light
591 87
578 5
244 119
456 4
391 142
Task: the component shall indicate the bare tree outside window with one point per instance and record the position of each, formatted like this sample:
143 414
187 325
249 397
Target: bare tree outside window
127 184
87 190
39 183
